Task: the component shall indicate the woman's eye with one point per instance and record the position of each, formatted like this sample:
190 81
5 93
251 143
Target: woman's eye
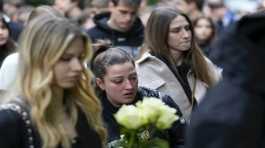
117 81
177 30
187 28
133 78
65 59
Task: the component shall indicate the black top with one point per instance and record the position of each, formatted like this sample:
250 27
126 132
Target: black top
17 130
175 134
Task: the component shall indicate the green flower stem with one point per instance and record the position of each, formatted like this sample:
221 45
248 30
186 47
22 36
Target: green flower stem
131 139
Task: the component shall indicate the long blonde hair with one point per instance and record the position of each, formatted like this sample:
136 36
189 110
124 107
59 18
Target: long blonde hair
42 43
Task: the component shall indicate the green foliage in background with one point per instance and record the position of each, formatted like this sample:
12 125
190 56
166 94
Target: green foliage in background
152 2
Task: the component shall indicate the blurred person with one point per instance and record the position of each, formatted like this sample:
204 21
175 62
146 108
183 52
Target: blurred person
235 119
180 5
192 8
52 104
15 28
204 32
173 63
223 18
195 8
262 2
7 45
117 84
69 8
121 26
100 5
9 67
261 5
85 20
11 7
145 14
220 13
22 14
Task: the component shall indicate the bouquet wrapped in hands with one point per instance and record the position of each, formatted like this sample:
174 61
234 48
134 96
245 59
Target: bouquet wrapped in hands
141 123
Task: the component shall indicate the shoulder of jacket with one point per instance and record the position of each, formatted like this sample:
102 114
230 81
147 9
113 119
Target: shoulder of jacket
147 57
15 114
11 109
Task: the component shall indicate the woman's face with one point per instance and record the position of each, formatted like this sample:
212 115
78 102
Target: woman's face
4 34
182 5
63 5
203 30
68 69
179 36
120 83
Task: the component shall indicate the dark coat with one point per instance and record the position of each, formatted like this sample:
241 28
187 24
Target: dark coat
131 39
232 115
16 29
17 130
175 134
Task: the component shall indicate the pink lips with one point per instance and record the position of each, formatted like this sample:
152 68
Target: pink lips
129 95
74 78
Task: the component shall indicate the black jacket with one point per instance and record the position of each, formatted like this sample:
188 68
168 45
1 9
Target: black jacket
17 130
232 115
131 38
175 134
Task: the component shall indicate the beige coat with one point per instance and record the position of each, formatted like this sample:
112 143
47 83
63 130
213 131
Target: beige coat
155 74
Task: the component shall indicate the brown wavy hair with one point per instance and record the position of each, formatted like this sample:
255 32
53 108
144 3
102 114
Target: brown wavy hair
156 40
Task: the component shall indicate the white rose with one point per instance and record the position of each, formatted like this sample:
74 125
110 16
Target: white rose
150 109
167 117
129 116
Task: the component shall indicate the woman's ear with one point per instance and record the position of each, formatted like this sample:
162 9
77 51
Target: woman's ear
100 83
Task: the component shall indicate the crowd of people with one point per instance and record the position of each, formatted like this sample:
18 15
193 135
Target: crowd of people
67 68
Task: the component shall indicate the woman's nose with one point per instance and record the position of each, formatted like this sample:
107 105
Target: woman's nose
128 84
76 65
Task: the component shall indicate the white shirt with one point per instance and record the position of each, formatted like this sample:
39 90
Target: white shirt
8 71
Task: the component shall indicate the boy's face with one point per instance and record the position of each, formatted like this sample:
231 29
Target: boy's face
123 16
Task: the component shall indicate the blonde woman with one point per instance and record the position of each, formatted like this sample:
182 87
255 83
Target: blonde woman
54 104
174 64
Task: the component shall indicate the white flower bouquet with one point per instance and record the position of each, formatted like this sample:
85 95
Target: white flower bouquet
140 123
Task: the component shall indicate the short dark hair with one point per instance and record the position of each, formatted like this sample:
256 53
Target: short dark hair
199 3
132 3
